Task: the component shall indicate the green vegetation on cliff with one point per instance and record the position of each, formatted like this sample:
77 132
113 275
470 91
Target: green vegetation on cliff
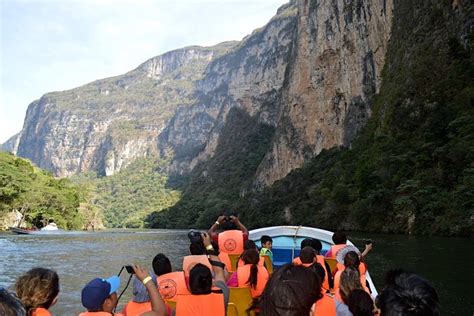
411 169
128 197
37 194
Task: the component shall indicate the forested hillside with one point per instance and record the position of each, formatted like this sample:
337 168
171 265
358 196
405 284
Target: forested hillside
38 195
410 170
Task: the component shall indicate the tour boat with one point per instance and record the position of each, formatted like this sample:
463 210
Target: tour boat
287 240
23 231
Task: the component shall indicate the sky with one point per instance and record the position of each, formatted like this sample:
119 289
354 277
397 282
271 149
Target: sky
55 45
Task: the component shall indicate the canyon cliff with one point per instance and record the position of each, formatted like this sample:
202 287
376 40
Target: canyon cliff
310 73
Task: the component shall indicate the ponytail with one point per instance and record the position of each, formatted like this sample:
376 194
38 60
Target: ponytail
252 281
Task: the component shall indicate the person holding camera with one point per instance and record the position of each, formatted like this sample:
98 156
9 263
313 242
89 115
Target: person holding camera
204 299
232 236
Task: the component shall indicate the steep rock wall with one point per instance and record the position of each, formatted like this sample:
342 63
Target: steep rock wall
335 70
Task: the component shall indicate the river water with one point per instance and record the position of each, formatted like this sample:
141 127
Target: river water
80 257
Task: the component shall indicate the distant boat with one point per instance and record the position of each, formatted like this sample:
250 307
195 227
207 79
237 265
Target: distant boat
287 241
22 231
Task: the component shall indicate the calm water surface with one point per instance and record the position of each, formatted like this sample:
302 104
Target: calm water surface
80 257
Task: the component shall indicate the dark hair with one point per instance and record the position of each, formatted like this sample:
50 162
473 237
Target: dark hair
265 238
161 264
319 270
200 280
250 244
352 259
291 291
360 303
37 288
197 249
252 257
350 280
313 243
407 294
10 305
307 255
339 238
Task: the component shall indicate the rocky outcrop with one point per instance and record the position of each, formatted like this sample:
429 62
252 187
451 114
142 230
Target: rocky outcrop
11 145
105 125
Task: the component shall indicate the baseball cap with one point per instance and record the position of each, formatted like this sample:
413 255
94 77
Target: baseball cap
96 291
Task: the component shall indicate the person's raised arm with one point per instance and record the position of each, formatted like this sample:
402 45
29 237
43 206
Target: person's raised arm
218 266
158 307
368 248
241 226
219 221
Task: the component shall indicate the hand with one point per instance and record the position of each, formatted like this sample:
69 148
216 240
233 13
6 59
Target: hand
234 219
206 239
221 219
140 273
368 247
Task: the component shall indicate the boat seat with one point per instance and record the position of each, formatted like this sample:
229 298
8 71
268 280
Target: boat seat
232 310
268 264
242 299
233 261
332 263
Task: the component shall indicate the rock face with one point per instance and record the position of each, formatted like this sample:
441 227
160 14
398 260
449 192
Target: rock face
105 125
310 73
334 72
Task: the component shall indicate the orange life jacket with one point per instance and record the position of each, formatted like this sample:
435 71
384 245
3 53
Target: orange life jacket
320 260
261 262
225 259
231 242
100 314
134 309
326 306
200 305
190 261
243 274
335 249
362 271
40 311
172 284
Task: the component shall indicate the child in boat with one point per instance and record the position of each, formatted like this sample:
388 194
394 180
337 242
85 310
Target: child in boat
10 305
38 290
267 243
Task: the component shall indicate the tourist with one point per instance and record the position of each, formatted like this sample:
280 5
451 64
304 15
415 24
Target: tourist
267 243
291 291
51 225
10 305
360 303
203 300
407 294
38 290
350 280
230 234
328 305
250 274
140 301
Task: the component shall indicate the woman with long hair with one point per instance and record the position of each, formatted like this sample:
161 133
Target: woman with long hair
251 273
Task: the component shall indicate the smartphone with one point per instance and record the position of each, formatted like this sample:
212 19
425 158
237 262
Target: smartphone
129 269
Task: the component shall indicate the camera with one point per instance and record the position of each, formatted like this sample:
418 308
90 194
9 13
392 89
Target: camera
368 241
227 219
129 269
195 236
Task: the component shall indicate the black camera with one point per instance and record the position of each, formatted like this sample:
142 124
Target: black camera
129 269
227 219
368 241
195 236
